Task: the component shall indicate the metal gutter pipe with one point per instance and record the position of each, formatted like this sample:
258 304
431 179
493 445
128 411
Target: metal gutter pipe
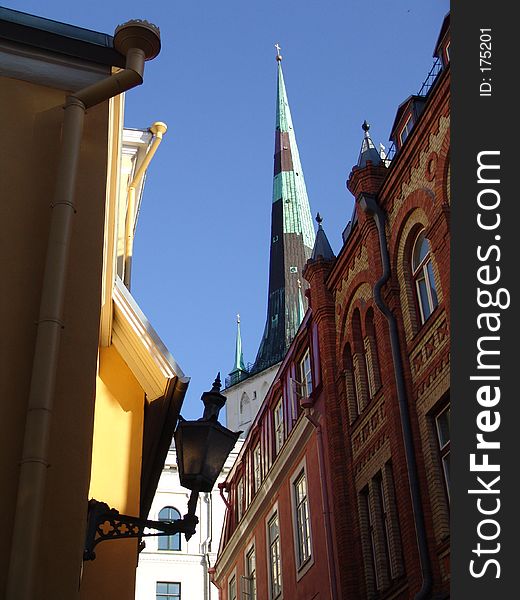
138 41
325 500
158 129
369 206
224 487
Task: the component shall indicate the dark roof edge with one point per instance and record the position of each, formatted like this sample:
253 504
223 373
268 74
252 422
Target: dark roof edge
46 34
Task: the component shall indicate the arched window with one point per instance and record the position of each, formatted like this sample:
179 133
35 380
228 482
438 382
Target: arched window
169 542
245 409
422 271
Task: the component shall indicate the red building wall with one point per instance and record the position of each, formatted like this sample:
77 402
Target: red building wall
301 449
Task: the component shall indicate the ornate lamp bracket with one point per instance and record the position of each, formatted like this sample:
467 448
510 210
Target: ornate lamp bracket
105 523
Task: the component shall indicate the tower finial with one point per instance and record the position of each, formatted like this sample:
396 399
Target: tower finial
217 384
238 319
278 55
321 243
368 150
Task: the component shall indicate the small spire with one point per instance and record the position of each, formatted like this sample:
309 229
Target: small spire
368 151
239 356
278 55
321 244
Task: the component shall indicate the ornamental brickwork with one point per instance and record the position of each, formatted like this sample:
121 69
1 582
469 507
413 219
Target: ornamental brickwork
380 536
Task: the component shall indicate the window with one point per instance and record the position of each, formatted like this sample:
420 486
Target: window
250 575
369 514
359 363
442 422
167 591
275 571
405 131
350 385
306 376
169 542
381 540
303 532
257 467
385 522
371 355
240 499
424 281
278 425
232 588
245 409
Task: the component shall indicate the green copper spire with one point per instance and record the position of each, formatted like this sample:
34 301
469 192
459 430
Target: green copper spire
289 182
292 237
239 357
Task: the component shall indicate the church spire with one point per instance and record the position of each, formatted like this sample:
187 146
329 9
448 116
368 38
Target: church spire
292 236
239 365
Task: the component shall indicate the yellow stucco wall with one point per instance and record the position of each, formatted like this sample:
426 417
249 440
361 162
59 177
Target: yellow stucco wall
115 477
118 434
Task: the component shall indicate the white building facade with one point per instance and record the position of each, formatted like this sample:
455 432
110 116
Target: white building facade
169 567
243 399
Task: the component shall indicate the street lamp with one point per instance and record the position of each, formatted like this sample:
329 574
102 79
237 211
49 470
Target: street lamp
202 449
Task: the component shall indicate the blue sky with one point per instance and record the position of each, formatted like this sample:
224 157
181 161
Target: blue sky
202 242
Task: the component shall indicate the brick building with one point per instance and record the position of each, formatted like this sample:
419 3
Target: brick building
341 489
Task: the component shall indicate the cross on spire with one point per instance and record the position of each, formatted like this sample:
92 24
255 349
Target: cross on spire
278 55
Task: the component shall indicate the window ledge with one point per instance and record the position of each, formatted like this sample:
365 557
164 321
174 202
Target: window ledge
304 568
425 327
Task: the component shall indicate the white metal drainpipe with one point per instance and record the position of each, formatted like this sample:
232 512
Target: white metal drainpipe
138 41
206 545
158 129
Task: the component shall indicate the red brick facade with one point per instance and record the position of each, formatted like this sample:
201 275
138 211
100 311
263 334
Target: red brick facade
347 431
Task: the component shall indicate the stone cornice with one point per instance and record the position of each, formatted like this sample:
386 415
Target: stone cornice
140 346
